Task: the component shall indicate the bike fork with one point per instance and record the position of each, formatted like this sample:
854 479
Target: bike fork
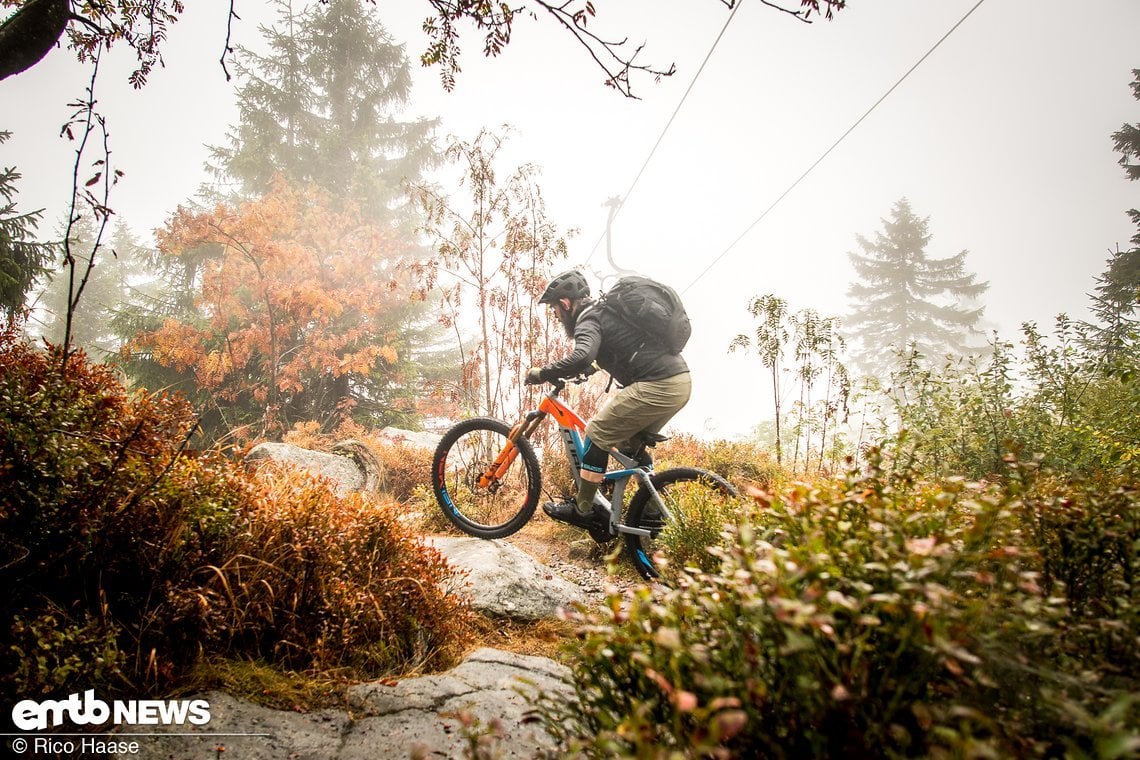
506 457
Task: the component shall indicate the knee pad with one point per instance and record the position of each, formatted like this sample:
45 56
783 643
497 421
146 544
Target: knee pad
594 458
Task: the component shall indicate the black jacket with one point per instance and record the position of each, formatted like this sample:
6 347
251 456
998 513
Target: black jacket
618 347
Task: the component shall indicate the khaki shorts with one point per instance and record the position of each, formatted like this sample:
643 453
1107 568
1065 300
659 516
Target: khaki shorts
643 407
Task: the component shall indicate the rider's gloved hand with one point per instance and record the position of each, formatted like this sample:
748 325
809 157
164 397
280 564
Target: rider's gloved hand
534 376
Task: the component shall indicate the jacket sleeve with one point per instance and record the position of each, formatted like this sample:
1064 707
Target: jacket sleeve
587 341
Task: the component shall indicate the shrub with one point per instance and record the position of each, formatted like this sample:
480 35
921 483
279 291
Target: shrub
1088 534
316 581
732 460
57 656
1079 415
702 515
125 559
405 467
877 616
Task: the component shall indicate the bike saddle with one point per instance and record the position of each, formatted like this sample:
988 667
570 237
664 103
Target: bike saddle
642 442
652 439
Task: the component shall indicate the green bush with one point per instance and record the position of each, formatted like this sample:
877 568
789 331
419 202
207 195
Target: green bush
701 518
1079 415
1087 532
56 656
877 616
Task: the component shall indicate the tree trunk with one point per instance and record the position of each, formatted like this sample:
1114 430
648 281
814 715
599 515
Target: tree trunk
28 35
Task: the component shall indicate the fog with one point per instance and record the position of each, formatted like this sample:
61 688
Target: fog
1001 137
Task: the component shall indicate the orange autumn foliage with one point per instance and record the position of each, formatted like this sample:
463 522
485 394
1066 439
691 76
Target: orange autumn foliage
290 309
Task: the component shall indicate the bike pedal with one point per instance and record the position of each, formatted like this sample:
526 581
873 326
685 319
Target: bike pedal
601 536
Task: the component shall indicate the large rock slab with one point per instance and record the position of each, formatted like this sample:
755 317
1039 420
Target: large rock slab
344 474
416 717
419 439
489 685
503 581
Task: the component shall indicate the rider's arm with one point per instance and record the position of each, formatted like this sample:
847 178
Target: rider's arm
587 341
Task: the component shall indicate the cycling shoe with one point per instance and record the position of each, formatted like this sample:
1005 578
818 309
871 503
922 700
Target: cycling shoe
567 512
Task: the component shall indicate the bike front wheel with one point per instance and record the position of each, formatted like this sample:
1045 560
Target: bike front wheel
486 485
699 502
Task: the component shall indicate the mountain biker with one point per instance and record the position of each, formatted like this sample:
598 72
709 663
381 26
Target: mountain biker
654 385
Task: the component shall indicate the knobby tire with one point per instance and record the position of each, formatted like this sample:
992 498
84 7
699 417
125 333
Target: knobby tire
643 513
464 453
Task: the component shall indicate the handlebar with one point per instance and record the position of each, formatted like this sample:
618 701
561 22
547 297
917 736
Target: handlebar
560 383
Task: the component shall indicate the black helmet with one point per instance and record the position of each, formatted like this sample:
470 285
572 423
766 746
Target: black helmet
570 285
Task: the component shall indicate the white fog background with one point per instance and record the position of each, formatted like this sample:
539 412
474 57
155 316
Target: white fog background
1001 137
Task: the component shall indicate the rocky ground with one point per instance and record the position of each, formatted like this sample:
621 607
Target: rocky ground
575 556
524 579
516 582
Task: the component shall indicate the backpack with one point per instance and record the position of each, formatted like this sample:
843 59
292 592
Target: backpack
653 308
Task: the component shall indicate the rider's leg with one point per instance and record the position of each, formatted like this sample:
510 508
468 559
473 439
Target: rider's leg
593 472
580 511
641 407
644 406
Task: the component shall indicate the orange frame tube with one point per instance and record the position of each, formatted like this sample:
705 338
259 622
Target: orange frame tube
500 466
563 415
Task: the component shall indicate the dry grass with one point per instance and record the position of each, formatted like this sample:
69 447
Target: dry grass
268 685
542 638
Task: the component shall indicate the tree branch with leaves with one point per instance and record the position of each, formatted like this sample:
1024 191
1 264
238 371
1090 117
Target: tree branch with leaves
38 25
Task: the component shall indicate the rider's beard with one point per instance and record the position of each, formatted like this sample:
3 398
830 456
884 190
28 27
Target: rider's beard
566 317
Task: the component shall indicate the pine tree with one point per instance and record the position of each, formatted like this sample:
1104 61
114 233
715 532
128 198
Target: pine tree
22 259
108 288
322 107
1117 296
906 300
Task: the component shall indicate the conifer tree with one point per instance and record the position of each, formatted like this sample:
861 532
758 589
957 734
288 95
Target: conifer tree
1117 296
22 259
322 107
905 300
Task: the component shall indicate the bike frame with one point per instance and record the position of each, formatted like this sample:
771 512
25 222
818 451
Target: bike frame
572 430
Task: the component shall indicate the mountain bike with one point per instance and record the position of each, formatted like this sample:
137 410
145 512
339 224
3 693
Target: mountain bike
487 480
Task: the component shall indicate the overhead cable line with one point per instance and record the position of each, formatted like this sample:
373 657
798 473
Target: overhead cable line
827 152
621 200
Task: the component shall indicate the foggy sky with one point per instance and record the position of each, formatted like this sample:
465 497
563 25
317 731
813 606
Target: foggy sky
1001 138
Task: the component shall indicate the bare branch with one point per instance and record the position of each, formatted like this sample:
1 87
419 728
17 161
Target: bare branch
610 55
229 32
92 122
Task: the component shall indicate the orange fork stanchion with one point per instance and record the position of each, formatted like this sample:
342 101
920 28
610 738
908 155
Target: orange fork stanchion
503 461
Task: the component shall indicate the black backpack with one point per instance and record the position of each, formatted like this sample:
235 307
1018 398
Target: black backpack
653 308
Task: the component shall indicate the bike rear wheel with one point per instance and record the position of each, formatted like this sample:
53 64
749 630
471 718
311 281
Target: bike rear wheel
480 506
699 501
